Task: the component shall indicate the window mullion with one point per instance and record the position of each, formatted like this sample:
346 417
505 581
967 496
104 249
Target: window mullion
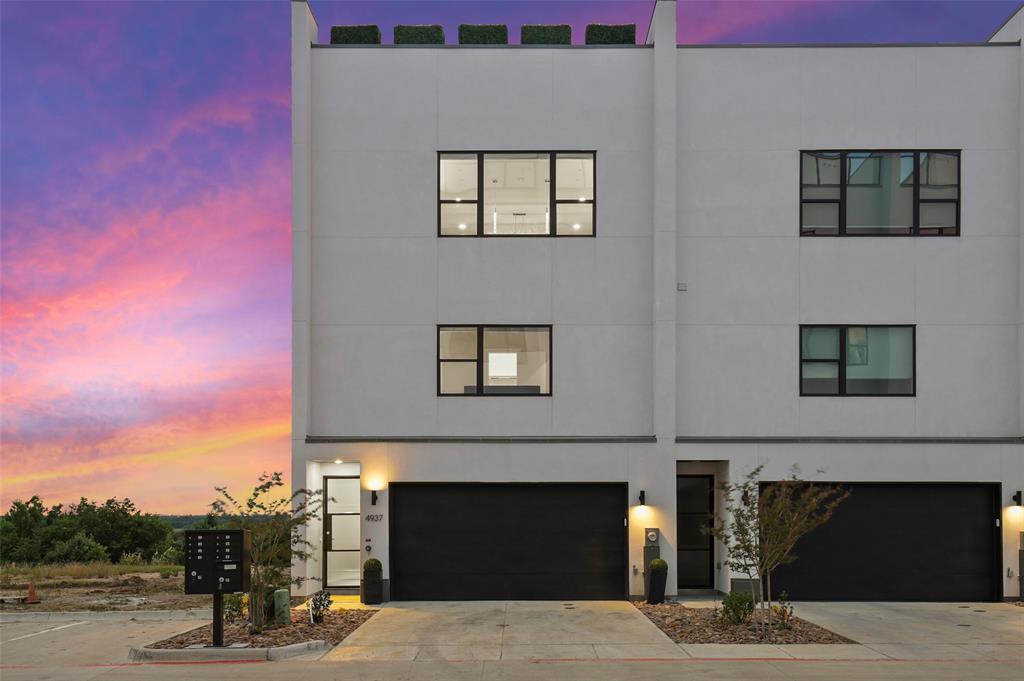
915 230
479 360
480 194
552 203
842 360
842 193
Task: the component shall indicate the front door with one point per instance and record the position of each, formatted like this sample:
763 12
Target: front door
695 508
341 532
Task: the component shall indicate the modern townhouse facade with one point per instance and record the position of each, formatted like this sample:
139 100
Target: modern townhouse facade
548 298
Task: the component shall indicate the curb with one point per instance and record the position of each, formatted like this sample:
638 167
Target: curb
197 614
227 653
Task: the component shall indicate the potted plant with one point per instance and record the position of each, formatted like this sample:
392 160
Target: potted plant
657 574
372 585
319 603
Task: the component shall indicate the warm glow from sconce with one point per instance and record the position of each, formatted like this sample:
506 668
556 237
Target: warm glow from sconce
376 484
641 513
1015 516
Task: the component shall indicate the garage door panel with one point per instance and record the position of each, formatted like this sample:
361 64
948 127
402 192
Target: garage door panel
507 541
901 542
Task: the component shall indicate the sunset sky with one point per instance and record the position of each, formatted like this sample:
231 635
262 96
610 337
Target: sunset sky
145 197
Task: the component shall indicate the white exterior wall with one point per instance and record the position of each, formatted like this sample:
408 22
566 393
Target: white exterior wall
697 182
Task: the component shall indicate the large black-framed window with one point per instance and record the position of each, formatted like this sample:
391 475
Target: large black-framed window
880 192
858 360
516 193
474 359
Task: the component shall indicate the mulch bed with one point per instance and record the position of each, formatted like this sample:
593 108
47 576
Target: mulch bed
705 625
335 627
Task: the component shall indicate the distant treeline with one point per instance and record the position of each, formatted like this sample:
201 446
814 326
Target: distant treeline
115 531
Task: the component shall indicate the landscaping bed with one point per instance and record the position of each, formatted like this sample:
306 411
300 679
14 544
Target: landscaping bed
706 625
336 626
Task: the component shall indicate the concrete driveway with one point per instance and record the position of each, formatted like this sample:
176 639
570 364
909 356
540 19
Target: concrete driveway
495 630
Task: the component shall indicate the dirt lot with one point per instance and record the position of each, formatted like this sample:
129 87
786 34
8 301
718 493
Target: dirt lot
132 591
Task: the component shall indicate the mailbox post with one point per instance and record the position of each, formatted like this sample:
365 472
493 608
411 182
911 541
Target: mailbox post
216 563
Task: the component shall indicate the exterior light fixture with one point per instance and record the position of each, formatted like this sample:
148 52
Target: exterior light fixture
1018 498
582 199
373 497
643 498
462 226
458 199
576 226
337 461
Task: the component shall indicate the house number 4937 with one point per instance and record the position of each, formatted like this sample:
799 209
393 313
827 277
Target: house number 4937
374 517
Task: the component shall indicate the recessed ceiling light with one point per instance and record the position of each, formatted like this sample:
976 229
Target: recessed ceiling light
462 226
337 461
458 199
582 199
576 226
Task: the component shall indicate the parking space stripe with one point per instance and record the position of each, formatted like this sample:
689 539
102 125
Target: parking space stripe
44 631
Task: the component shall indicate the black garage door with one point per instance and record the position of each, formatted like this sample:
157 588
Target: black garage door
502 541
902 542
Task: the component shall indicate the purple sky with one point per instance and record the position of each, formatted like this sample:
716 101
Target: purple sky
145 198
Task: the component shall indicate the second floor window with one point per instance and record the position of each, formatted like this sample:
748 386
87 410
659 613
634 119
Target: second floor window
857 360
516 193
880 193
494 360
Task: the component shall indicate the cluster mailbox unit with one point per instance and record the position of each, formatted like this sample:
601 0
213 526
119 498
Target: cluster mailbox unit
217 562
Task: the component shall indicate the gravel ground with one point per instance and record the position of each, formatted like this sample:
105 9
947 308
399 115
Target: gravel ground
703 625
336 626
145 591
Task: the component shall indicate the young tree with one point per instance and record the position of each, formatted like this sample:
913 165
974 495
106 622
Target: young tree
277 524
765 525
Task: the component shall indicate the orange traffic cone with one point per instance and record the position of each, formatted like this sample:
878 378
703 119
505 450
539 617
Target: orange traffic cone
32 598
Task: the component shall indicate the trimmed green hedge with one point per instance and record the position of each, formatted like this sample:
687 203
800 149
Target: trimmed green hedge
427 34
361 34
483 34
546 34
611 34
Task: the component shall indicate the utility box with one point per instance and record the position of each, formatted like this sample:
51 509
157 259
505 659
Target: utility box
217 561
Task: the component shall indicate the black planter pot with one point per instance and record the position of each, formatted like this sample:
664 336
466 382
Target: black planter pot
371 588
656 586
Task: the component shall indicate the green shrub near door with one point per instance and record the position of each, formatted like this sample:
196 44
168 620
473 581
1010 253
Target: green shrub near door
372 584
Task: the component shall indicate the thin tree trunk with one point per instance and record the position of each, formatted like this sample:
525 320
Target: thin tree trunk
768 600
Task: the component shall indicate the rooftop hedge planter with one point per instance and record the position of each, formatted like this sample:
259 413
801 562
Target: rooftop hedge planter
546 34
483 34
611 34
432 34
361 34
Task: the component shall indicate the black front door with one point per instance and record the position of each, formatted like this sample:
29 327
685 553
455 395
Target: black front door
507 541
695 508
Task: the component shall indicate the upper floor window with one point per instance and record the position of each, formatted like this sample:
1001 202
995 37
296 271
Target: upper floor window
516 193
494 360
879 193
857 360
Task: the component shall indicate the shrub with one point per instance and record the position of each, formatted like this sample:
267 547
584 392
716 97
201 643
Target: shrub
782 611
80 548
483 34
738 606
657 565
132 558
546 34
319 603
360 34
372 565
234 607
611 34
432 34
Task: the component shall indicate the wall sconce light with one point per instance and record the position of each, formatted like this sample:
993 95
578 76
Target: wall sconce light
373 497
1017 498
643 498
